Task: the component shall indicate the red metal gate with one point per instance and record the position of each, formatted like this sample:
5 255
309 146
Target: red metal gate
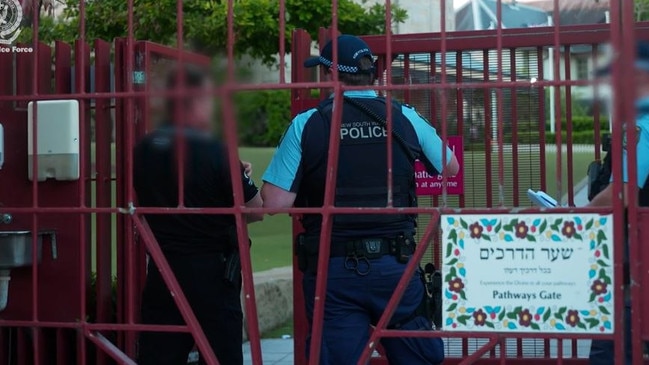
58 313
44 324
435 73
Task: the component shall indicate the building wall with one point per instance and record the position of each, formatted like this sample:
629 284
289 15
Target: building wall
423 15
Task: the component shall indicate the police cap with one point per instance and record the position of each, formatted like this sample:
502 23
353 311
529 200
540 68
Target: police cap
351 50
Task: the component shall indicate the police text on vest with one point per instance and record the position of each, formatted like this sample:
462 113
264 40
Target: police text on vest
362 130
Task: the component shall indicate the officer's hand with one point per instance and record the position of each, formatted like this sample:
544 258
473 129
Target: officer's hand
247 167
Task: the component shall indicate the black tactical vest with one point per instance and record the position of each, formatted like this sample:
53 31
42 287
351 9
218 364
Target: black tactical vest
362 170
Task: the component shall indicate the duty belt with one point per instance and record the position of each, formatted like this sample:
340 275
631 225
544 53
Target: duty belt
371 248
355 251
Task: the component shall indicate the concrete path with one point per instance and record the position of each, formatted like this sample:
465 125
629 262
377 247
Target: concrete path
581 194
274 352
280 352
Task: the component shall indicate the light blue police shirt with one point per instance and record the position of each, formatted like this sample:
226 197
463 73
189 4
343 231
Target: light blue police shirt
642 122
283 168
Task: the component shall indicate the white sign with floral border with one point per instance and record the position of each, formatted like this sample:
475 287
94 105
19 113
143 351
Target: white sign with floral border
528 273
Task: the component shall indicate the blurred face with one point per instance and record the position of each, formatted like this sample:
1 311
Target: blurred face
202 108
641 80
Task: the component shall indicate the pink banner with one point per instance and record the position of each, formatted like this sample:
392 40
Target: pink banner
432 185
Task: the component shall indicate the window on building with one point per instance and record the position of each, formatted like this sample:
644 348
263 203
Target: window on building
582 68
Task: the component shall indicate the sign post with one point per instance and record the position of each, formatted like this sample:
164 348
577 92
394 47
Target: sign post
543 273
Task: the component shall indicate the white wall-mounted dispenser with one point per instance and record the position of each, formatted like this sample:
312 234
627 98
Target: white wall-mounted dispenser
57 143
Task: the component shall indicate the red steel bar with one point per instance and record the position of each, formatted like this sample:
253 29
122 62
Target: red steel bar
82 55
328 201
179 117
310 85
82 58
36 343
488 128
557 94
282 41
499 105
97 326
335 210
381 326
628 114
327 219
444 114
242 232
109 348
388 98
406 76
597 123
619 96
103 191
541 90
514 143
129 193
569 150
433 98
121 219
459 78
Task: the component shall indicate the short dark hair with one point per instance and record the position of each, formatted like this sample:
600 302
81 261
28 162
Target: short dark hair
364 78
190 77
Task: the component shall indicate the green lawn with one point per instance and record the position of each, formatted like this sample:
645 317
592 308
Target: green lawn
580 165
272 237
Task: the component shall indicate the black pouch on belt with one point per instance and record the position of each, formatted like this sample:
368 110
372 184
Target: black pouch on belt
306 250
404 248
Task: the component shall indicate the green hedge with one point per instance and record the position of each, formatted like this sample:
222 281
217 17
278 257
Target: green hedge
263 116
583 123
580 137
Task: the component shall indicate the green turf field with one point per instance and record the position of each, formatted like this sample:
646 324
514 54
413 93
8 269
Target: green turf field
272 237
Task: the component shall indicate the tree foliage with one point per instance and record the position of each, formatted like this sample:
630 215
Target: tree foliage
256 22
641 10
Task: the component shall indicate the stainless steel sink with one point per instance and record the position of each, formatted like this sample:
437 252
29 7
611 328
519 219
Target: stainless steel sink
16 248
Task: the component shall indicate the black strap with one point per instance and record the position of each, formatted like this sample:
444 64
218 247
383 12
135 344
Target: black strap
412 156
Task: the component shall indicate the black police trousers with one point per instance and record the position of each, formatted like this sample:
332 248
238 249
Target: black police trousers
216 304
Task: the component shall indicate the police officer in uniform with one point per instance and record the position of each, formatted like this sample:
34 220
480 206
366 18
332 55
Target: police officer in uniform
368 252
200 248
602 351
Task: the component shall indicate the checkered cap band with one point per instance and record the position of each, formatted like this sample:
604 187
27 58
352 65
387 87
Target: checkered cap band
341 68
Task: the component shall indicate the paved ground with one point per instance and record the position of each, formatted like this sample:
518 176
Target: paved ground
274 351
280 352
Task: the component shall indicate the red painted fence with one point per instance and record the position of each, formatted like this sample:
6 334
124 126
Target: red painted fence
59 313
